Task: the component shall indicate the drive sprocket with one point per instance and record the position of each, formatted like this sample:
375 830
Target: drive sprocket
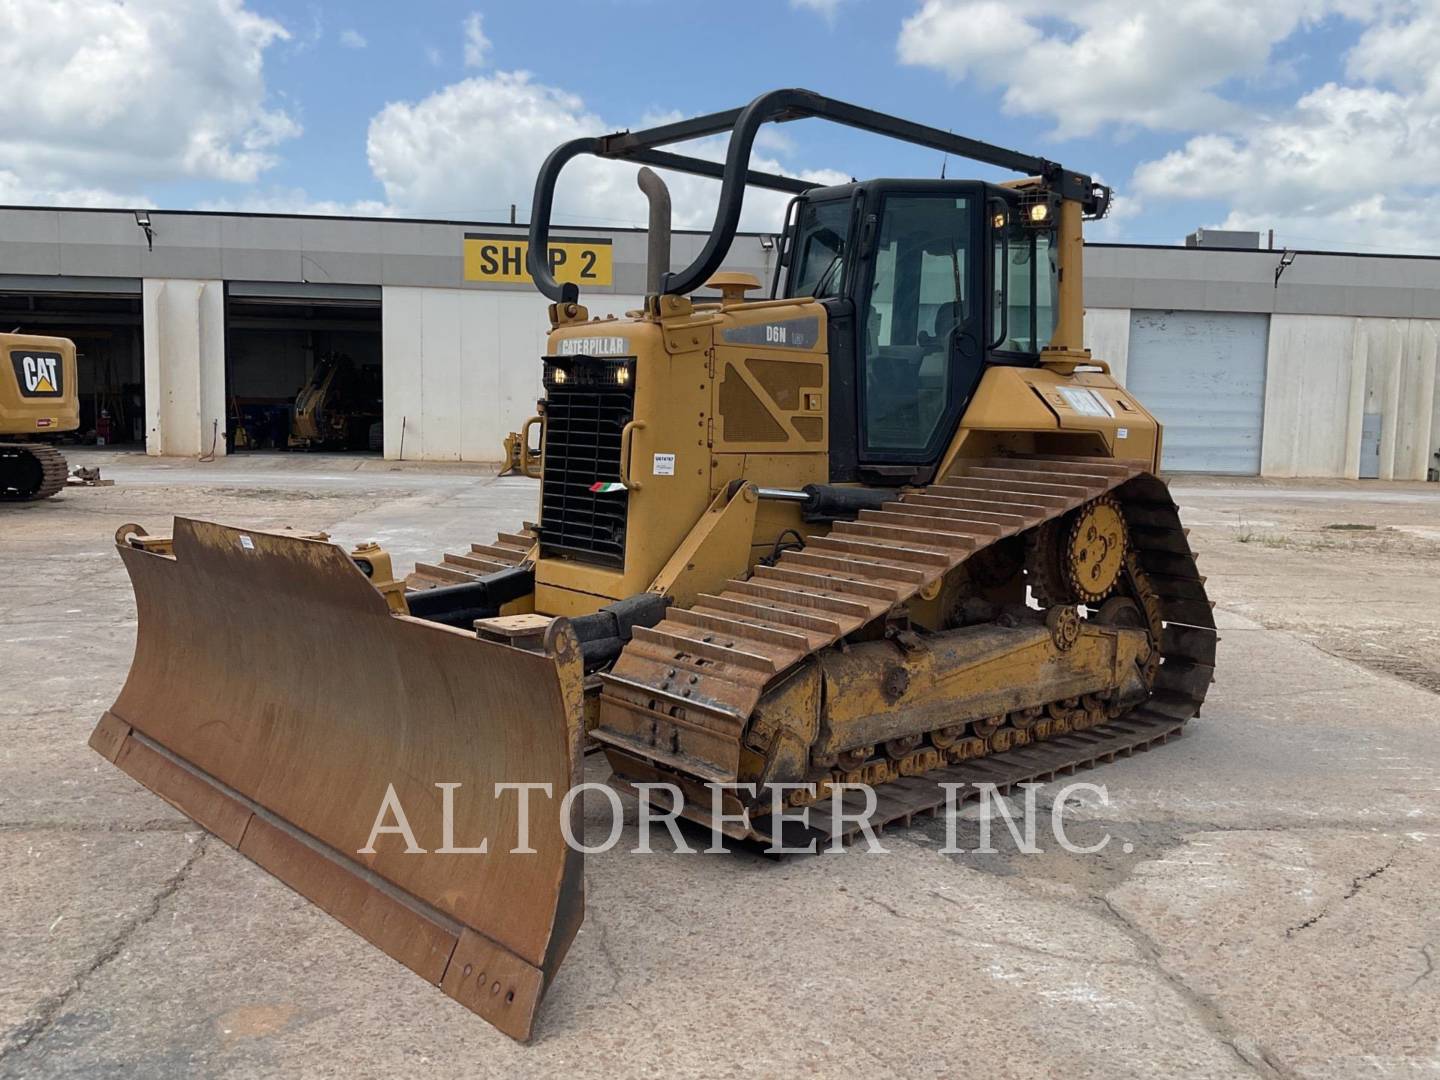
1094 555
1077 558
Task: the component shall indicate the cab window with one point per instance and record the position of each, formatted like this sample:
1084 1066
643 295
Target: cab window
820 249
916 309
1026 281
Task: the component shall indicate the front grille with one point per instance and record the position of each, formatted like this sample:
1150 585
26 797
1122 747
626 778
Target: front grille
583 421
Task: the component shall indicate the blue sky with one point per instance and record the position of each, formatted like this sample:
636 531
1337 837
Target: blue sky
1314 117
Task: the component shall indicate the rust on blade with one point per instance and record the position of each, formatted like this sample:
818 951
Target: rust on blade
275 699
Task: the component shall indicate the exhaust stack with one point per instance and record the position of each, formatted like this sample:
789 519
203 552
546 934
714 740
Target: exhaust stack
657 254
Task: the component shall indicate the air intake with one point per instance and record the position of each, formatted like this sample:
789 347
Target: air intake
587 405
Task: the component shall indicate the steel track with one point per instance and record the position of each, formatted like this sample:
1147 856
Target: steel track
704 668
53 470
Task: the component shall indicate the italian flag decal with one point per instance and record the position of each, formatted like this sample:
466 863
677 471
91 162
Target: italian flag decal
598 488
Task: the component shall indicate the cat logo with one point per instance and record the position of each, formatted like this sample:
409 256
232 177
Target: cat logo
38 373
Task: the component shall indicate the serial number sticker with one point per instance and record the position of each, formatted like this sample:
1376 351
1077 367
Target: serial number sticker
247 543
1086 402
1122 433
501 257
664 465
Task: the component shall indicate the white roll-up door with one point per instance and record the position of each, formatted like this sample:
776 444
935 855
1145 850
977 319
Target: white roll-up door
1202 373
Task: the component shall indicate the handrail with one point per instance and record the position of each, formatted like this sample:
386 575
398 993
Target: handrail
736 174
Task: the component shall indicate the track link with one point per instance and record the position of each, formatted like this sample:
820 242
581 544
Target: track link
506 551
14 465
708 666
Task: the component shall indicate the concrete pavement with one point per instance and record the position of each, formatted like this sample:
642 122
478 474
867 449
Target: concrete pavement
1264 906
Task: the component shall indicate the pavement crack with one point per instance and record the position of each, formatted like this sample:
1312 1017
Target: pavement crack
51 1007
1254 1055
1427 953
976 937
1356 885
1359 882
612 965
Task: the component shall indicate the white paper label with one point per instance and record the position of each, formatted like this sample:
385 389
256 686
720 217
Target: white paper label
247 543
664 465
1086 402
1122 433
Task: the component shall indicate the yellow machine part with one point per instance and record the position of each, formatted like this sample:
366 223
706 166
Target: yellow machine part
39 397
38 385
285 732
794 650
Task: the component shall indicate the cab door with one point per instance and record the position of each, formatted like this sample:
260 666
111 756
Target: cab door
921 321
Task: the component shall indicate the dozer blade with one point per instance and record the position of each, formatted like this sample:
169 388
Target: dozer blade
275 700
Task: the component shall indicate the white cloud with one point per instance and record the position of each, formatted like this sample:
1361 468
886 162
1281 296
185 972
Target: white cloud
1349 165
477 45
17 192
282 200
353 39
1092 63
827 8
97 93
474 147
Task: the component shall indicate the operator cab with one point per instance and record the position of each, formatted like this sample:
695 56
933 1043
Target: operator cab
926 282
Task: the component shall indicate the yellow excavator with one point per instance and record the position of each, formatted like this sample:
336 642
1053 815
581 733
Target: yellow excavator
38 399
888 528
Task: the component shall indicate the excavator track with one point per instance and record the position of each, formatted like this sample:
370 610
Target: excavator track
30 472
706 667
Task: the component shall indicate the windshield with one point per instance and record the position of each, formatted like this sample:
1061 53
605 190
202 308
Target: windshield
820 249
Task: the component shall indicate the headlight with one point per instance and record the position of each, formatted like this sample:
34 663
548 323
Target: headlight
622 376
560 375
1039 212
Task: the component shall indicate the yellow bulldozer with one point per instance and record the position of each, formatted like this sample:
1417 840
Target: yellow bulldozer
799 560
38 399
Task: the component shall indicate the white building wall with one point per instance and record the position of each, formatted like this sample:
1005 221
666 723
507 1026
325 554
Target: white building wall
1326 372
1107 336
184 366
1399 365
462 367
